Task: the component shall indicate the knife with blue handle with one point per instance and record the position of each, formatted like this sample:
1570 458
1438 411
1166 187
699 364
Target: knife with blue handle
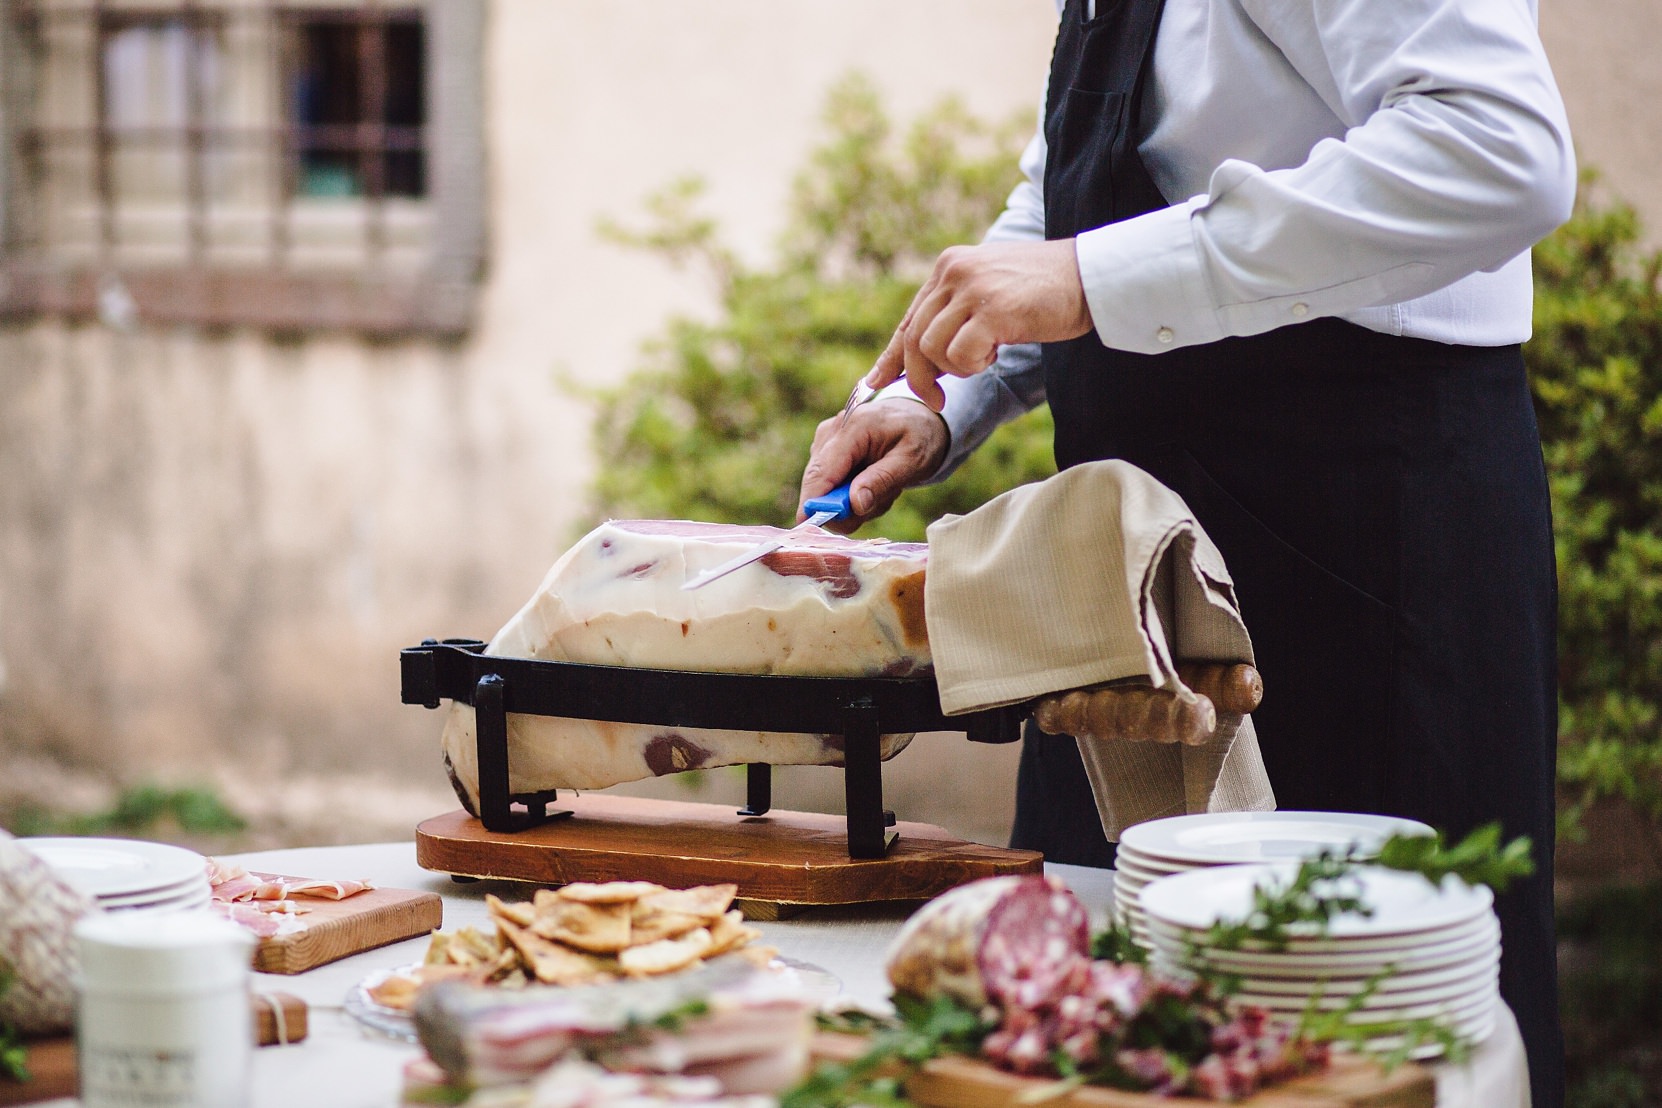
821 510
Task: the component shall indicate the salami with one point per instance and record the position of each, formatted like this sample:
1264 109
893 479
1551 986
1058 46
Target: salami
1016 942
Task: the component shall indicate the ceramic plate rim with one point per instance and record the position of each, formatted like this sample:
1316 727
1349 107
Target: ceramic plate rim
161 865
1453 901
1161 838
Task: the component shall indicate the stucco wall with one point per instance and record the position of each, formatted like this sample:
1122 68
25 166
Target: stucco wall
213 544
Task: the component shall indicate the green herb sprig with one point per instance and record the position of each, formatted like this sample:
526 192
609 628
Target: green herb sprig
918 1032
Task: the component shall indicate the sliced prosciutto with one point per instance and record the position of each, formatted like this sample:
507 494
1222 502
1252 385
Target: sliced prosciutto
822 605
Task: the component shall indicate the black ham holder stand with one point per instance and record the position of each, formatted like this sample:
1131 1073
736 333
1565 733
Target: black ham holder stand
860 709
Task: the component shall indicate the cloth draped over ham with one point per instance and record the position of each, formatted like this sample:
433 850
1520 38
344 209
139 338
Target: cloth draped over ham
822 605
1096 575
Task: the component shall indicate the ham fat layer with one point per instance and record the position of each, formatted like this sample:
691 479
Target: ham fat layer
823 605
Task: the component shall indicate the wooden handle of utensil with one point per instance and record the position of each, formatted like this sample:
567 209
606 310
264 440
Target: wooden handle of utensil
1135 712
1232 687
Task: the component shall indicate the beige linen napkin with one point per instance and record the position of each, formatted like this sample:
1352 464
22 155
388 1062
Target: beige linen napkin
1098 574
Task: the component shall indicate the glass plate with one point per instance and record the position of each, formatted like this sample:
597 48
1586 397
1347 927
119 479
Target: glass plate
820 985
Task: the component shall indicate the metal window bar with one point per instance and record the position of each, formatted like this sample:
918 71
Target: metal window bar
371 139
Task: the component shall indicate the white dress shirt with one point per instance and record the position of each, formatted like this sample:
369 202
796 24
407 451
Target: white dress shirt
1388 162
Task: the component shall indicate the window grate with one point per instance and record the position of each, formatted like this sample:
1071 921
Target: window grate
163 133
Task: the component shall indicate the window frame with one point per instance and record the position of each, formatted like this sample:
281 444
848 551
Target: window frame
438 299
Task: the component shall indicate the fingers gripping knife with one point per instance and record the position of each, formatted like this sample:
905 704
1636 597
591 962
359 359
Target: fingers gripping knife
821 510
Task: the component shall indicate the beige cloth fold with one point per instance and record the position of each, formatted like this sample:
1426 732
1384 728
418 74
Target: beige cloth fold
1098 574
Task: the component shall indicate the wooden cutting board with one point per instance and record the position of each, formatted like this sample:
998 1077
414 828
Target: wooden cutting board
781 857
1349 1082
336 929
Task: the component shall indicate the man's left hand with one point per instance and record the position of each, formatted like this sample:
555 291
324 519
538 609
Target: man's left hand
977 299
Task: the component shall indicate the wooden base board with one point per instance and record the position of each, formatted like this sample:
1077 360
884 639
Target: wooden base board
783 857
336 929
1349 1082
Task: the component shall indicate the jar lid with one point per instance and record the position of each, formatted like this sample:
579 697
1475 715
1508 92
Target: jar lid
163 952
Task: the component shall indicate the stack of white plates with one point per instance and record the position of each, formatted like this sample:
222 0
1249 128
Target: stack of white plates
1162 847
1435 949
128 874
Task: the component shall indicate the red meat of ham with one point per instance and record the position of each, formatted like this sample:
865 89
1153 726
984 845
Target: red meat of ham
1016 942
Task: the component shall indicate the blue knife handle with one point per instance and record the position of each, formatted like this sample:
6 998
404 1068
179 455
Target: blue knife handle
835 501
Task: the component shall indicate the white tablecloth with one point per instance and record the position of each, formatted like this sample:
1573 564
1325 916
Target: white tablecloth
344 1065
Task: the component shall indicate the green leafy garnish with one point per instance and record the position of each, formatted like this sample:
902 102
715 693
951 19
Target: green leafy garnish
919 1031
1477 859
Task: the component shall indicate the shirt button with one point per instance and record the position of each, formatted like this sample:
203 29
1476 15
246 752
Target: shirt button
1300 310
1165 335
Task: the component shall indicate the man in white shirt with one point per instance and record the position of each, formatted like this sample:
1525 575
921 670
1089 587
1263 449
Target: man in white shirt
1276 254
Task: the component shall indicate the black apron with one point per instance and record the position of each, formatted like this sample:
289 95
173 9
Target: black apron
1382 507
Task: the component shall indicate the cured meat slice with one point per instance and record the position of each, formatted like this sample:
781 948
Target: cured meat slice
1012 941
822 605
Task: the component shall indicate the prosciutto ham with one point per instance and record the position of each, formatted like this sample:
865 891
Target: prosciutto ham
822 605
264 903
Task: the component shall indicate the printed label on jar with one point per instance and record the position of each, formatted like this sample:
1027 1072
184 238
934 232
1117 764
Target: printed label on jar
138 1077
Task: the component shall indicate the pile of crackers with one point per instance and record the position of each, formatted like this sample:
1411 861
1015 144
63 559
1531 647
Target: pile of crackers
585 934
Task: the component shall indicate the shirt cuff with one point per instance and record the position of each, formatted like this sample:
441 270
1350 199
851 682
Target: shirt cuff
1144 284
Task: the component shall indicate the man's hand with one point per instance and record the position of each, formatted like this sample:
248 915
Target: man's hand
887 444
980 298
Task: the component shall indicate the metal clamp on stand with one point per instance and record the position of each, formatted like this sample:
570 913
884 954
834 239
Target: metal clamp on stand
861 710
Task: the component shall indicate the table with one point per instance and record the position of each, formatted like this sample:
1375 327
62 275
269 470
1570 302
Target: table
343 1065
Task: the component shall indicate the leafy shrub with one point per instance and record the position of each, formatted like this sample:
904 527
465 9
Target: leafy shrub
1596 368
717 424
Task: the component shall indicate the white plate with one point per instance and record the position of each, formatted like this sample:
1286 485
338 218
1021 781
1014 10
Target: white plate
1416 945
115 867
1472 976
189 902
1215 838
1458 977
1307 968
1133 872
1402 903
1457 1012
191 887
819 985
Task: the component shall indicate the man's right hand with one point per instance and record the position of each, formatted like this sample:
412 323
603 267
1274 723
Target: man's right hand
887 445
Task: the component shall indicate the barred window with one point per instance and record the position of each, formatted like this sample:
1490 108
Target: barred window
287 163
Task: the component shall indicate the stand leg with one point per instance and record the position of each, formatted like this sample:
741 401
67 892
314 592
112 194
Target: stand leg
496 811
758 794
491 725
868 835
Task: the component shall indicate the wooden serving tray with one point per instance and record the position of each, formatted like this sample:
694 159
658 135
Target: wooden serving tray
336 929
782 857
1349 1082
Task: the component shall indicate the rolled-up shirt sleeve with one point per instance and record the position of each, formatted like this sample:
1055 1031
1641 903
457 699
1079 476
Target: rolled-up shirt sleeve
1455 157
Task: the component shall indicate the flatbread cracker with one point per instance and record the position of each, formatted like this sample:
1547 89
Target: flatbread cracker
520 913
728 932
551 963
706 901
597 928
648 925
608 892
665 955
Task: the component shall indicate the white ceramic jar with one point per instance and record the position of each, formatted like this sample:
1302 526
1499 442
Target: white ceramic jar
164 1019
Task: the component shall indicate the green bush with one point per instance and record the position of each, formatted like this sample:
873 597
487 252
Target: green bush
717 424
1596 368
